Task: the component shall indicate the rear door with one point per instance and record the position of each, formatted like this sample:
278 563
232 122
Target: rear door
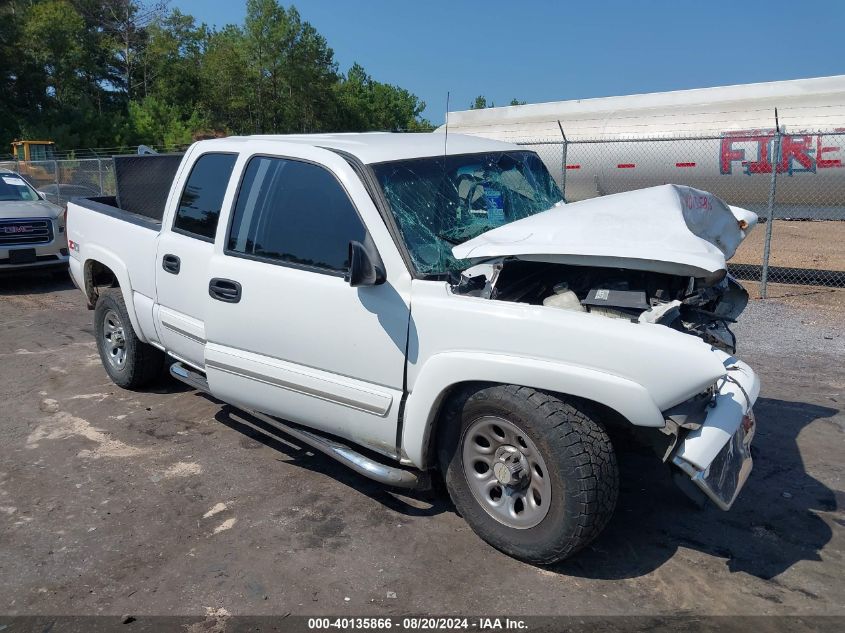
287 335
183 255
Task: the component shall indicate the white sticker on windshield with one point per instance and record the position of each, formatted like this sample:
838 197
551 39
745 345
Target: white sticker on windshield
13 180
495 206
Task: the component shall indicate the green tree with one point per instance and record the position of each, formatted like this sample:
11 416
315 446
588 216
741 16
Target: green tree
125 24
52 37
10 80
480 103
366 104
290 66
57 92
159 123
226 84
94 73
171 65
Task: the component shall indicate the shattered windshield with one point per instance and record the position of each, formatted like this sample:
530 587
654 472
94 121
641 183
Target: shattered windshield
438 205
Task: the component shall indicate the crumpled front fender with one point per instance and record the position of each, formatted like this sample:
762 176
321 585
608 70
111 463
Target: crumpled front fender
445 370
717 455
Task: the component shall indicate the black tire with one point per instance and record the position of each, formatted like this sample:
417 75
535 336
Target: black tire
142 363
578 456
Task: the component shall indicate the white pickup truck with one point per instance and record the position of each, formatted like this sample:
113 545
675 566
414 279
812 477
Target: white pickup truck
406 304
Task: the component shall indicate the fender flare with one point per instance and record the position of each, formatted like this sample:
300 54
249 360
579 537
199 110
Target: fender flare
96 253
443 371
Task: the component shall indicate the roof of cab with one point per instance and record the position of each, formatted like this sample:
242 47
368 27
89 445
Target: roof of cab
378 147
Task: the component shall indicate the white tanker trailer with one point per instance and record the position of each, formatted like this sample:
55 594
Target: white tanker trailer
716 139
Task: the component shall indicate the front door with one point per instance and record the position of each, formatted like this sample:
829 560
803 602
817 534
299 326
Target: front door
286 334
183 256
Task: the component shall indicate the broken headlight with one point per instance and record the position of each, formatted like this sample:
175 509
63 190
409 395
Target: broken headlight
688 415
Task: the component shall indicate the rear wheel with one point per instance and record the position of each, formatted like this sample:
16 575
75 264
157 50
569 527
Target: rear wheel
128 361
534 475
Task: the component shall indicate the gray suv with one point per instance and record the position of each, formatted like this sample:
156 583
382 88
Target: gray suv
32 230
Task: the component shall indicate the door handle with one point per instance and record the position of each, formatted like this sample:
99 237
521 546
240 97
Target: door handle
224 290
171 263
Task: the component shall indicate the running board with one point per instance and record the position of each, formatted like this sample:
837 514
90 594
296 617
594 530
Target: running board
189 377
361 464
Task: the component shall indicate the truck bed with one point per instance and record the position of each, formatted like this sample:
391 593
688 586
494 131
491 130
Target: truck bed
108 205
117 238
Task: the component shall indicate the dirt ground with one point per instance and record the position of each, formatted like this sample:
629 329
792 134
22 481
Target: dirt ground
826 302
167 502
819 245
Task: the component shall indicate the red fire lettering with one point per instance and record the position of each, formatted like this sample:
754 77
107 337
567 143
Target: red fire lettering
763 165
821 149
729 154
795 148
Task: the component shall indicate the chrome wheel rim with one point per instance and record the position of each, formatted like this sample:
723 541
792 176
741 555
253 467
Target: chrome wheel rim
506 473
114 340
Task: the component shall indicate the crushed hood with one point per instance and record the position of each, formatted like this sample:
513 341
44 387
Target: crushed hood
668 229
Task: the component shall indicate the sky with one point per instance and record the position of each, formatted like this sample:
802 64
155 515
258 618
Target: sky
567 49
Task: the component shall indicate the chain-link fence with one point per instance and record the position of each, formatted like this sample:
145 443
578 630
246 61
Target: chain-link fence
797 180
62 180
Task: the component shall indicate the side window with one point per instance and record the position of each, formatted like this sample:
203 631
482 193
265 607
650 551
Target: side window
295 212
199 206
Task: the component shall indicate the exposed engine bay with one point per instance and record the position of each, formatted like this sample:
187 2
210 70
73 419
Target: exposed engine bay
702 306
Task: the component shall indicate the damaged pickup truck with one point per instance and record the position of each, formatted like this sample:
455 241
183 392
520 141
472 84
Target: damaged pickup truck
405 309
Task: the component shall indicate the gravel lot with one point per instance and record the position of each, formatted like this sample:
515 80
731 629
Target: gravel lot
797 244
167 502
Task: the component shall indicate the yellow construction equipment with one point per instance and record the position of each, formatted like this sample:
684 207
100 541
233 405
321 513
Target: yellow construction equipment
33 150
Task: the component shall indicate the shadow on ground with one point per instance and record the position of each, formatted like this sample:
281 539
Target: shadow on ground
405 502
23 282
772 525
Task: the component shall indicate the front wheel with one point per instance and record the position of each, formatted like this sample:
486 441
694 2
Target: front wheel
128 361
533 475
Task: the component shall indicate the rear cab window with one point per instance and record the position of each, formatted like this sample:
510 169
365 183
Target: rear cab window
202 199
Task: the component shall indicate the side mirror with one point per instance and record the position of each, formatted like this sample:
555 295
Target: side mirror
365 266
41 195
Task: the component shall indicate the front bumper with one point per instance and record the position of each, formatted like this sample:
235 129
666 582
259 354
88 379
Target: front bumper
39 255
717 456
53 260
